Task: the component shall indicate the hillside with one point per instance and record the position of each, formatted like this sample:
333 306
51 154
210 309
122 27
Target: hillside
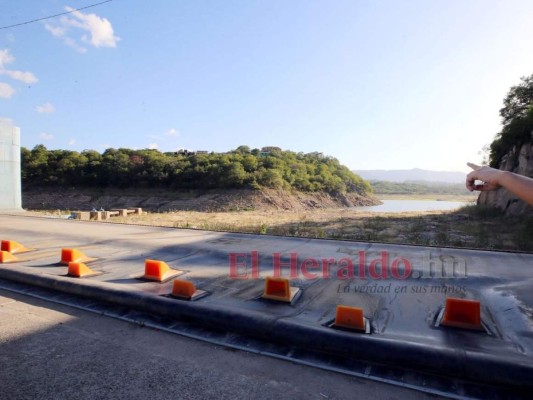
171 200
415 174
419 188
241 168
269 178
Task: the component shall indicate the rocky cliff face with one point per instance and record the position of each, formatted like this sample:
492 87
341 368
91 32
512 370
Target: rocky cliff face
520 161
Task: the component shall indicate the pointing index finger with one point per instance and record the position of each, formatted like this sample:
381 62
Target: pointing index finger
475 167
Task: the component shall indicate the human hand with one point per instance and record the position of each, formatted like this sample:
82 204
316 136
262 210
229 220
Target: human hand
490 178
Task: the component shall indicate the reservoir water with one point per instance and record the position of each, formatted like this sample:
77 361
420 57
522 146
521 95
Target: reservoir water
414 205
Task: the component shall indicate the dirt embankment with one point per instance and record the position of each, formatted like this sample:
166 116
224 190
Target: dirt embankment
167 200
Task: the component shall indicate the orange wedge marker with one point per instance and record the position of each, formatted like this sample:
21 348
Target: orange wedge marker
6 257
350 318
279 289
13 247
73 255
462 313
185 290
158 271
79 270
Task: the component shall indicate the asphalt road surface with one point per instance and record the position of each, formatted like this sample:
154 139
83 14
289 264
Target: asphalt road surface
50 351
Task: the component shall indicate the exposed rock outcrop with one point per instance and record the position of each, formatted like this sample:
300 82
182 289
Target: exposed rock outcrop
169 200
520 161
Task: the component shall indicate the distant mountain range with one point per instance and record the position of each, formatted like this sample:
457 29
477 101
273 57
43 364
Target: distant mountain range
411 175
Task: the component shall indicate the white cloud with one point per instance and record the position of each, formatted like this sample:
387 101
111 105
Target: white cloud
6 91
5 58
23 76
46 108
172 132
57 31
72 142
72 43
46 136
26 77
163 139
100 29
97 31
60 32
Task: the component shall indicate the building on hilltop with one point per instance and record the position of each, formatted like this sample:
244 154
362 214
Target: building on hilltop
267 150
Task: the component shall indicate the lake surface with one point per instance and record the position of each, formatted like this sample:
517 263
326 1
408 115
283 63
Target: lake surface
414 205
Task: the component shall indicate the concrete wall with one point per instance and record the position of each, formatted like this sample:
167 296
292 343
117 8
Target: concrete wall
10 185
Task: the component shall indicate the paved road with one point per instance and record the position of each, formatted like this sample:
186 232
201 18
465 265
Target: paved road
401 310
49 351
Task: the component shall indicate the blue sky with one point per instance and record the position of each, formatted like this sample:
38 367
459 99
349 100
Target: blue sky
376 84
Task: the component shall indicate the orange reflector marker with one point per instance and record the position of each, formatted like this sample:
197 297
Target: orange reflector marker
159 271
185 290
350 318
13 247
6 257
279 289
79 270
73 255
462 313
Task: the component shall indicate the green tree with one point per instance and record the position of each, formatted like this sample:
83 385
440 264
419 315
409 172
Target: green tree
240 168
243 149
514 134
37 169
518 101
92 172
517 118
233 175
270 178
25 159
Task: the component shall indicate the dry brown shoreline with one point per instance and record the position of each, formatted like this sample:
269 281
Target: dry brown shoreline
469 227
163 200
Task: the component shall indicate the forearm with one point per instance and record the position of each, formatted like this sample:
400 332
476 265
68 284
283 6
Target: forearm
521 186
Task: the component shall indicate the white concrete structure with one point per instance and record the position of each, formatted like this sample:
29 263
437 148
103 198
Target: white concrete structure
10 181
